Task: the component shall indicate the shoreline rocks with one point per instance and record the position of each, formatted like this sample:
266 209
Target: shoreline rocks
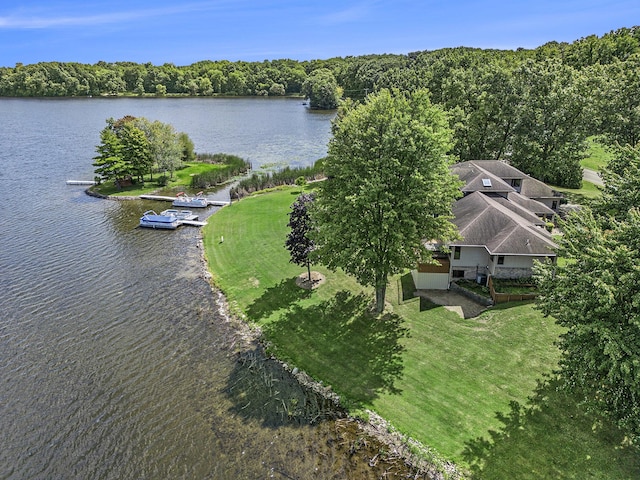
426 464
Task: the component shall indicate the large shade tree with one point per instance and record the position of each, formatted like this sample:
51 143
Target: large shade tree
621 190
388 189
322 89
549 137
483 104
596 296
620 103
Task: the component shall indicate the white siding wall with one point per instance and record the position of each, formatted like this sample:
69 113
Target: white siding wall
470 257
514 266
519 261
472 261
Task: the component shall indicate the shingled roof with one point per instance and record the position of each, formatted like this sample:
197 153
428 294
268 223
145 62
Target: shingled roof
534 188
530 204
480 180
482 221
497 167
471 170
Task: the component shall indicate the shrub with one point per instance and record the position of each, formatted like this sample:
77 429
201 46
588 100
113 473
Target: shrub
231 166
286 176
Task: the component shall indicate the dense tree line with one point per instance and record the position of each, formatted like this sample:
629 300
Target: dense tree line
534 107
357 76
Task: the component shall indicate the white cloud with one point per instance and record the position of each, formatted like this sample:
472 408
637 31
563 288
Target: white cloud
43 21
351 14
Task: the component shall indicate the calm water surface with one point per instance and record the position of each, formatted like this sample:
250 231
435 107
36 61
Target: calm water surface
115 361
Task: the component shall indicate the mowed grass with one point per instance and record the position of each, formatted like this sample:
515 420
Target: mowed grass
588 191
474 390
181 180
598 156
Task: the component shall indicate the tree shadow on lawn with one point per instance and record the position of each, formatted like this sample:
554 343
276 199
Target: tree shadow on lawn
341 341
275 298
551 437
407 287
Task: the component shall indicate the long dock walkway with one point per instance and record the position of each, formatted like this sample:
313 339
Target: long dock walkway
80 182
217 203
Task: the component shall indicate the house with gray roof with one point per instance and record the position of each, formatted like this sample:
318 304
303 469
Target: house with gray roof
502 230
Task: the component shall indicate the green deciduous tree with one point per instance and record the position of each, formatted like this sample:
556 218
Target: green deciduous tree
596 296
135 150
483 101
621 190
620 103
321 89
388 188
133 146
187 147
549 137
165 147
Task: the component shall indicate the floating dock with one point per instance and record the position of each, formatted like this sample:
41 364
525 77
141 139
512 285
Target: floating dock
216 203
80 182
193 223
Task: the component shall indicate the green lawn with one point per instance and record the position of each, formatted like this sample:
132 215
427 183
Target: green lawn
589 191
181 180
471 389
598 156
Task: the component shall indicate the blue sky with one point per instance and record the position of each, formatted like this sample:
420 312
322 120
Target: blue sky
186 31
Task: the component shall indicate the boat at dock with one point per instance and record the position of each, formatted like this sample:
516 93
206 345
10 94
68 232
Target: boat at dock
180 214
170 219
184 200
151 219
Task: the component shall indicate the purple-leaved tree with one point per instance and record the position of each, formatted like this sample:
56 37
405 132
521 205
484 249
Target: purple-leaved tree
298 242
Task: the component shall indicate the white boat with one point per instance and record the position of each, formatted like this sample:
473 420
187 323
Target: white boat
184 200
179 214
151 219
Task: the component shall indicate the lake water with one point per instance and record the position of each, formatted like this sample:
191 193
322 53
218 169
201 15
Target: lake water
115 359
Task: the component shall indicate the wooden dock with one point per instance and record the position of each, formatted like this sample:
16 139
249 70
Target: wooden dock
215 203
193 223
80 182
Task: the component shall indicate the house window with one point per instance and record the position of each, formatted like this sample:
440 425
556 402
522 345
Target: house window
458 274
501 260
554 205
486 182
456 253
515 182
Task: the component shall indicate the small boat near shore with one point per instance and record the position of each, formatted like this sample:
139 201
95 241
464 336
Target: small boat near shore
184 200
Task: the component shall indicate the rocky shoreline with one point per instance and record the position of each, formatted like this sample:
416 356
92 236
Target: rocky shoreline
394 452
418 461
